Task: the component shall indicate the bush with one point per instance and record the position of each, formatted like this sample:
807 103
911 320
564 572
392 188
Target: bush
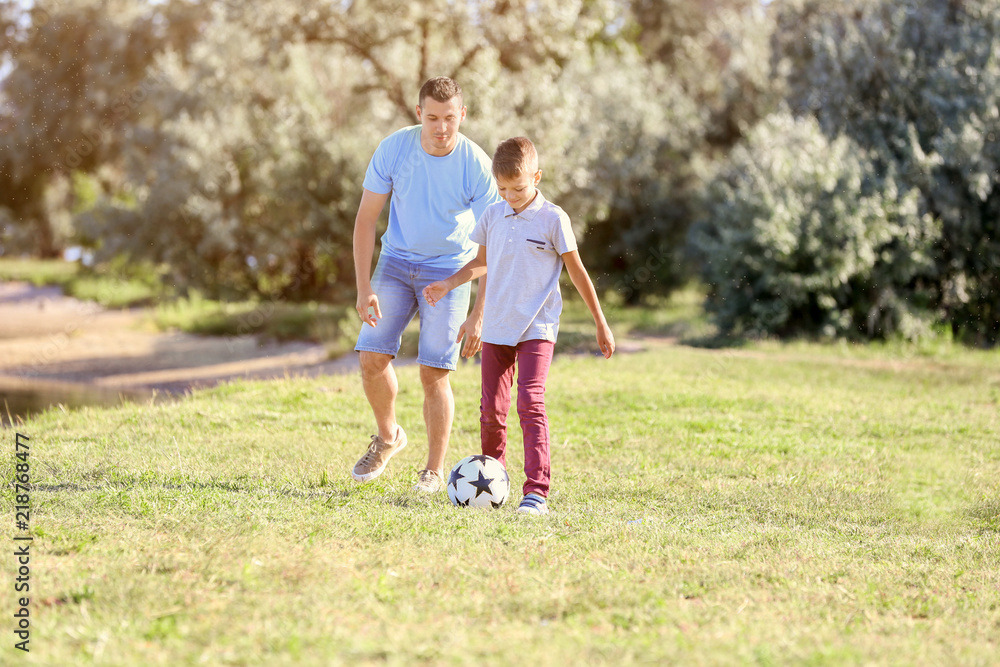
805 237
915 83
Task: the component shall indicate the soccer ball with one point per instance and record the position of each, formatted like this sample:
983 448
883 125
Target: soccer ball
478 481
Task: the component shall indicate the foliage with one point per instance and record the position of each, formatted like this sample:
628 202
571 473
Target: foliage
805 236
708 77
225 143
914 84
266 320
250 180
240 170
78 84
257 178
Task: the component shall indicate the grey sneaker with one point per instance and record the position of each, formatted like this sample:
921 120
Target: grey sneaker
375 459
429 481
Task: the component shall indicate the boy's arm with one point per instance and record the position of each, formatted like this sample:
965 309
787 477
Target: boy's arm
472 328
365 223
578 274
476 268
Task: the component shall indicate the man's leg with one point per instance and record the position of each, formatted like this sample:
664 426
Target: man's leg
379 381
437 355
381 387
376 348
439 412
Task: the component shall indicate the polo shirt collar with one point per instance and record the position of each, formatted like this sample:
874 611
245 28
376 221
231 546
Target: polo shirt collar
529 213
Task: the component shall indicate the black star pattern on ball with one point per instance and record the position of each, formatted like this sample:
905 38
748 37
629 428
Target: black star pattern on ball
482 484
480 458
454 477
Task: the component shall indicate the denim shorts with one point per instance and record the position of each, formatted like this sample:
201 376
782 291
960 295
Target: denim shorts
399 284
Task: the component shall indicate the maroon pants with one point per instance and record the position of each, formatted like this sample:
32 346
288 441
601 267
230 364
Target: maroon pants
533 358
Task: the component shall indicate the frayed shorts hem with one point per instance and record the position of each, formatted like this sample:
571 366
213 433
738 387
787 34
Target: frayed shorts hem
391 353
437 364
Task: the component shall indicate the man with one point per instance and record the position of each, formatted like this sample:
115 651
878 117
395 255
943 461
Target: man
439 183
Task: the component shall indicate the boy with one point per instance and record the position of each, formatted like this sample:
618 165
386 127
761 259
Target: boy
526 240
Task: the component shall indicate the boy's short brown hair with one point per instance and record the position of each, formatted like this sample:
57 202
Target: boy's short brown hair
514 157
440 88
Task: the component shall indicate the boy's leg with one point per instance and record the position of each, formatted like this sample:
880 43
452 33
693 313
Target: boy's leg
534 357
498 376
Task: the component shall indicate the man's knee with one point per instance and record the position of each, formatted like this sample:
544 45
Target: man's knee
373 363
435 377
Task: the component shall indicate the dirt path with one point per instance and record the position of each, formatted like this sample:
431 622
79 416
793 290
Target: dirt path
48 338
51 341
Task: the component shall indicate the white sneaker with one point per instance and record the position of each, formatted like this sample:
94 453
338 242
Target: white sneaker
533 504
429 481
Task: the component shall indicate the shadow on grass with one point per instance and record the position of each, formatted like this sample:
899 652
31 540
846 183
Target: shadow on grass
335 497
987 514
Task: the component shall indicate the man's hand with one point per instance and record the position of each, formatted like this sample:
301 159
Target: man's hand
368 308
472 331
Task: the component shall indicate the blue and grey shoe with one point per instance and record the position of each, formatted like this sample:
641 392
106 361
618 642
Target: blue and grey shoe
533 504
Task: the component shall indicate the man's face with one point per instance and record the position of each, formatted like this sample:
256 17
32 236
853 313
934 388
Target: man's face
440 121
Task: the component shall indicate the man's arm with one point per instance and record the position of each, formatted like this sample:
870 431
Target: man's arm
578 274
365 224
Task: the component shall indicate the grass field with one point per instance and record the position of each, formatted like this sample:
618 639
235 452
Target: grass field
773 504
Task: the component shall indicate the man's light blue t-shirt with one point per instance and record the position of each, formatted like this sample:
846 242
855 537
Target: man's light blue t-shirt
435 200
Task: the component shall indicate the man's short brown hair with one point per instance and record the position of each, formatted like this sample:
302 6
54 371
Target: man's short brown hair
514 157
440 88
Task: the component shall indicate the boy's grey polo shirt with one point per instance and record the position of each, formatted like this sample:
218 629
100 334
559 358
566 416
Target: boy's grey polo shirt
523 263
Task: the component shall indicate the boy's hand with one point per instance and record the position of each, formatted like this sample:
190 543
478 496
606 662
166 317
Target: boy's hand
472 331
435 292
606 340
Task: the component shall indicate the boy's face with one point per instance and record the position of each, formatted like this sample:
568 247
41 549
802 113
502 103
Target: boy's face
520 190
439 124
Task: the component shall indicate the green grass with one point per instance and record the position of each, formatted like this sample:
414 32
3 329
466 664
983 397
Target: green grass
679 316
271 320
128 287
803 504
38 271
111 287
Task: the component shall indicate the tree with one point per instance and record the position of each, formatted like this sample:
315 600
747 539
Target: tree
241 173
913 82
79 79
256 180
805 236
706 64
